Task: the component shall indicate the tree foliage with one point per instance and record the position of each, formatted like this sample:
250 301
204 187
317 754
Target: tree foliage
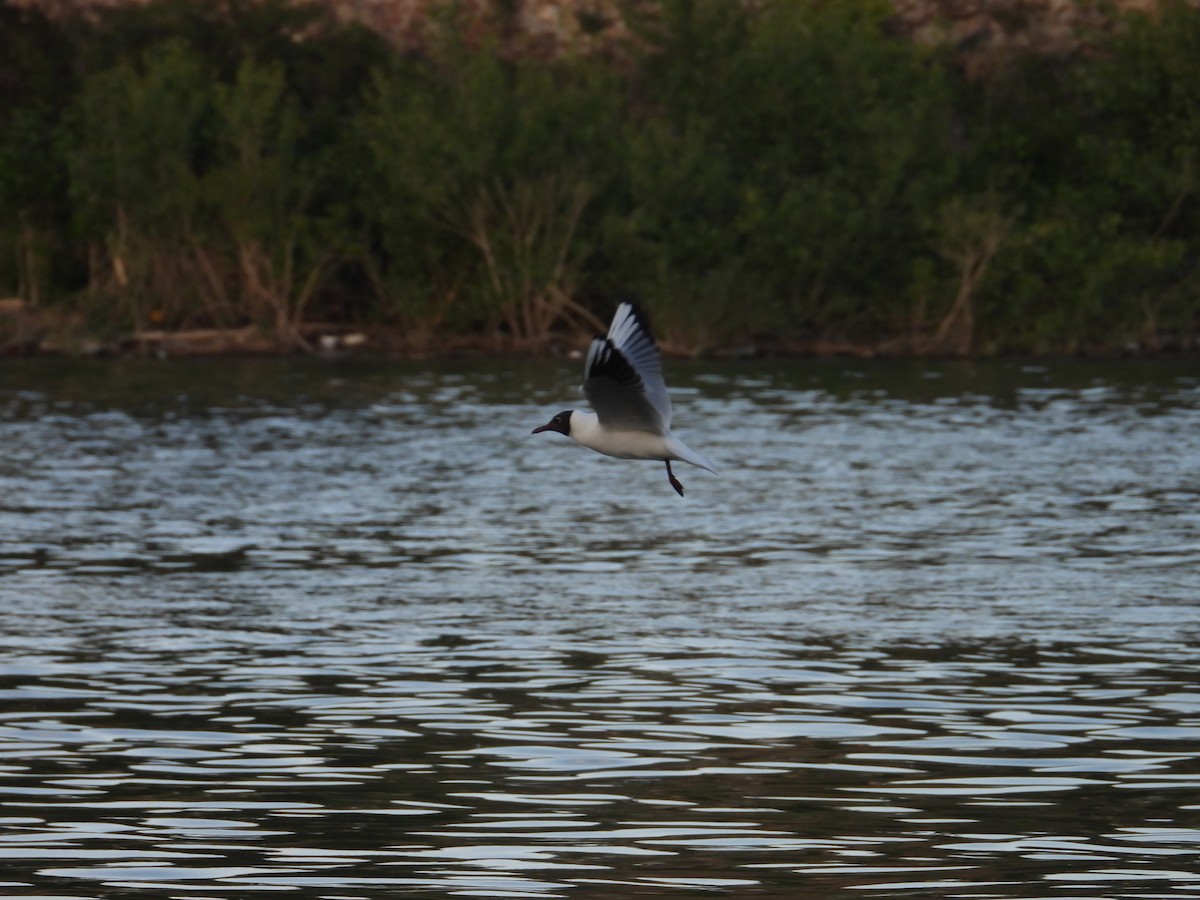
776 171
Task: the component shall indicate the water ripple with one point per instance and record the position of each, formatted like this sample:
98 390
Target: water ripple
287 628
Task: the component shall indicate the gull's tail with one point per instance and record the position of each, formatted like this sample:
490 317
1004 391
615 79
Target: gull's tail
681 451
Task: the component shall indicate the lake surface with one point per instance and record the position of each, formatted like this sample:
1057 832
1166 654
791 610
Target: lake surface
334 630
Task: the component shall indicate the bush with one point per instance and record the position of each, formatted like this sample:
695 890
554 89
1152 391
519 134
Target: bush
779 174
132 142
36 84
1099 158
481 173
782 169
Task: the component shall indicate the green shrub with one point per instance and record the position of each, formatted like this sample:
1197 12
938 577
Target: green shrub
779 169
1070 282
786 154
132 142
259 191
36 83
480 177
1100 156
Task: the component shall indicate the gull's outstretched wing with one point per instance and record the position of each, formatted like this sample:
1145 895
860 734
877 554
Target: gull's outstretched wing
622 376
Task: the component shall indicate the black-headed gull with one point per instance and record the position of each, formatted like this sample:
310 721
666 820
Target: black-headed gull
622 379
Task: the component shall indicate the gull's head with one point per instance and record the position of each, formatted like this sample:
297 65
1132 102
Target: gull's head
560 423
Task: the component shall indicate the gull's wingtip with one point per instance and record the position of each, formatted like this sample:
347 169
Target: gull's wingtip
631 309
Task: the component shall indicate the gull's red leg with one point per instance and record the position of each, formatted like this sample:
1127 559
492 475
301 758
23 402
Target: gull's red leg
674 481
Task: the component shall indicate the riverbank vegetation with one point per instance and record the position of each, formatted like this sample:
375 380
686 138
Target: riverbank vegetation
784 176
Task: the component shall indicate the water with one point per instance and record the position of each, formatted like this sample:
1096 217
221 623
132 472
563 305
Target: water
344 631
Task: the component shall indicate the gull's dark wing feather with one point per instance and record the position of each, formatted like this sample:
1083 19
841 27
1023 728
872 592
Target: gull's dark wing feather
631 334
623 375
617 392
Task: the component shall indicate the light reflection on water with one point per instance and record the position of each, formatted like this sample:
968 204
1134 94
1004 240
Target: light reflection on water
347 631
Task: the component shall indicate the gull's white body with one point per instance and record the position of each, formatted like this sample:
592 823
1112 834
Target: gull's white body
632 418
587 429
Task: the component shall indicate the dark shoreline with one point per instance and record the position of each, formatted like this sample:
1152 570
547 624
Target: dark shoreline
375 342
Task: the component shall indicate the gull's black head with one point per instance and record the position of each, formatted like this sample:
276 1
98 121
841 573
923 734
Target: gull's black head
560 423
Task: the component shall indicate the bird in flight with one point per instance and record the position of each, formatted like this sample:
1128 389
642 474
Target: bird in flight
622 379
